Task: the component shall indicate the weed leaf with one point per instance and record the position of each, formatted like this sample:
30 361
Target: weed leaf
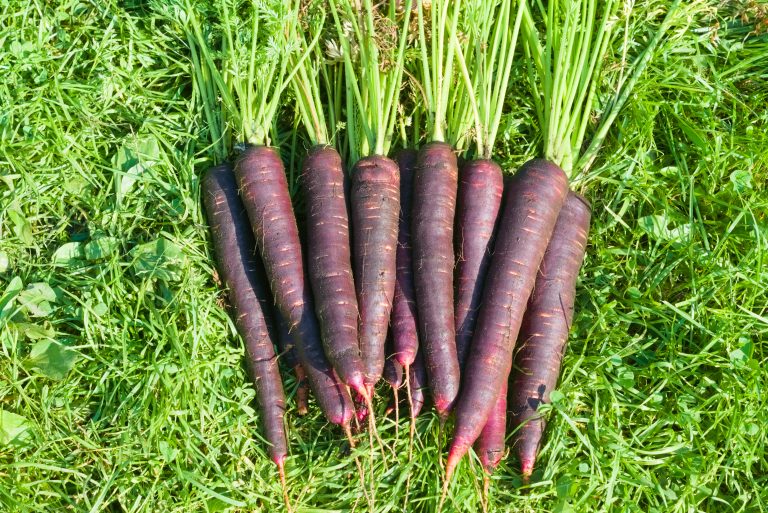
12 427
160 259
37 299
68 254
51 358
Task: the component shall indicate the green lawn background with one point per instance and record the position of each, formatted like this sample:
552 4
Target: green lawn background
121 381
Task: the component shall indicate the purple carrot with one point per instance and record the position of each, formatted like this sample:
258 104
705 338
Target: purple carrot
477 209
532 204
264 191
244 279
404 327
375 202
544 333
434 205
330 263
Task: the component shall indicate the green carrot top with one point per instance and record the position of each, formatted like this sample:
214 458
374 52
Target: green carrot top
485 54
241 82
371 42
319 81
437 24
565 74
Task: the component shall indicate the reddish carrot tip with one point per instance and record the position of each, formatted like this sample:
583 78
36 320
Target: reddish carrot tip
526 468
342 419
280 462
454 456
357 384
405 360
443 409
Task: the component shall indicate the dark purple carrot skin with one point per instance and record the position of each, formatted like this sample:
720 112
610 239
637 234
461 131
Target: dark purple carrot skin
375 202
532 203
264 191
330 263
285 342
490 444
287 354
434 206
544 333
405 330
243 276
417 373
477 209
393 371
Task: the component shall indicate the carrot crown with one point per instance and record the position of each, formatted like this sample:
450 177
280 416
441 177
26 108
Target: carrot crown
371 42
565 73
250 70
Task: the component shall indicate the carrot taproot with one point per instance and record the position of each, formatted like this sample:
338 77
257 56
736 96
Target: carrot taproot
375 204
405 336
243 277
393 371
264 191
489 446
393 374
532 203
329 263
287 354
434 205
477 209
544 332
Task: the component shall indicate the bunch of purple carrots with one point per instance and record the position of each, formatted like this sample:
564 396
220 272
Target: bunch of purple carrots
401 251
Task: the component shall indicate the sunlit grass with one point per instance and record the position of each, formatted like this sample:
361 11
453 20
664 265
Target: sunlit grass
121 379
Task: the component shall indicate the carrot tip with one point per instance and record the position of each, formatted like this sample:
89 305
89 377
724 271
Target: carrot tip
450 465
443 409
280 462
526 468
358 385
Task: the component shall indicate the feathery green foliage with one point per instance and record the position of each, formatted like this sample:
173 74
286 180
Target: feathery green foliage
251 69
565 74
372 41
121 380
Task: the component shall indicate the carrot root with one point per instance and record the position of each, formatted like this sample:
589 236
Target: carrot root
537 193
434 205
329 263
544 332
244 278
375 207
264 191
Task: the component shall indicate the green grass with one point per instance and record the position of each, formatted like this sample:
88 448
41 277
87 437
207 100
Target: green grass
121 381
